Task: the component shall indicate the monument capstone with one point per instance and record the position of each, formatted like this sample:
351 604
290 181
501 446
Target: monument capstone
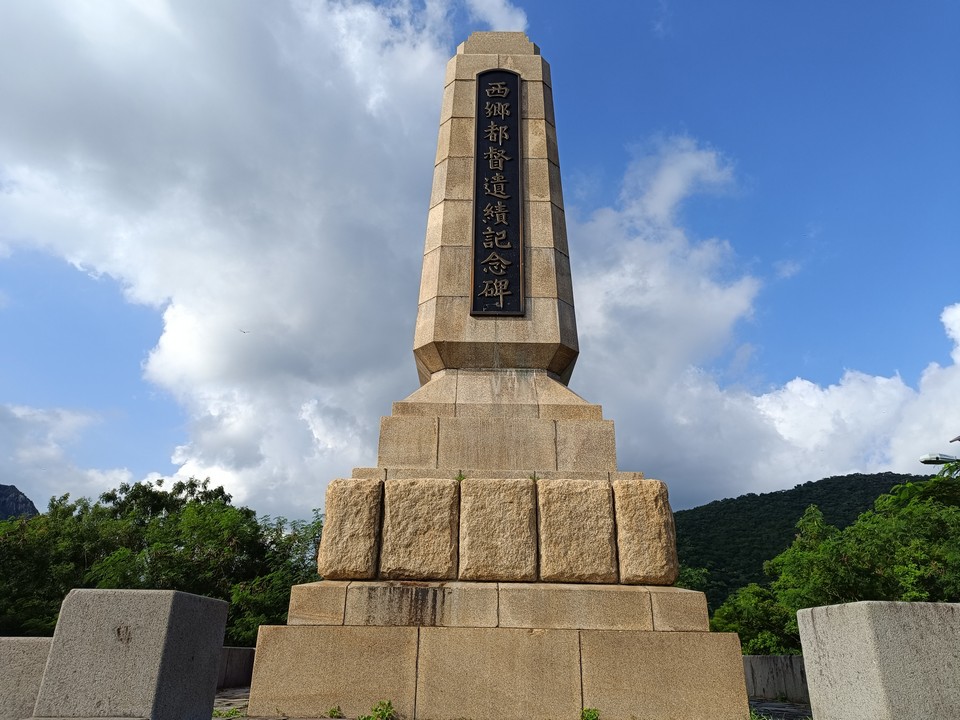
496 563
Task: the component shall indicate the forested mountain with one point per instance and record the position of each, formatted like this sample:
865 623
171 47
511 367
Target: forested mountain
14 503
732 538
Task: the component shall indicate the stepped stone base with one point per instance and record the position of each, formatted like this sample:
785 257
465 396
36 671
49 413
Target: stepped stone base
471 651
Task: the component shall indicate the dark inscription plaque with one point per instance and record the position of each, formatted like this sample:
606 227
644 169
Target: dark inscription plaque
497 218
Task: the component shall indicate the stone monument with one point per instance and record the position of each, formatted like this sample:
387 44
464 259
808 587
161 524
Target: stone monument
495 563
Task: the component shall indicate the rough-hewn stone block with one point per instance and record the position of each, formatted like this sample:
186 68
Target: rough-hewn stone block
420 529
646 539
350 539
498 529
576 531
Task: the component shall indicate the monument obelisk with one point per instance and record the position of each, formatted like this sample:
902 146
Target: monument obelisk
495 563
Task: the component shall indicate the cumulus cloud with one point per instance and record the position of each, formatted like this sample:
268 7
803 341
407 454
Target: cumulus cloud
261 177
656 307
498 14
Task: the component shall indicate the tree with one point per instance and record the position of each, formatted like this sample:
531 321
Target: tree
188 538
907 548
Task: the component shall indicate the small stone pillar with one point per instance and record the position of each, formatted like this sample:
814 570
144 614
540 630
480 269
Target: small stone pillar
133 654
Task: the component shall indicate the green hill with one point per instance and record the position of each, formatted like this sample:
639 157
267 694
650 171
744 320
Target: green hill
732 538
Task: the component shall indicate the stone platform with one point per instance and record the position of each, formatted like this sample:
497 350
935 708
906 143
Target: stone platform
529 651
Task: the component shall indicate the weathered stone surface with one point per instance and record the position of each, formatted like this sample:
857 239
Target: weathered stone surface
466 67
318 603
496 393
591 607
420 529
515 43
776 677
663 675
459 101
576 531
304 671
678 610
448 604
498 673
437 398
557 402
363 473
449 224
133 653
350 539
882 660
523 445
498 529
646 538
407 441
22 660
586 445
454 140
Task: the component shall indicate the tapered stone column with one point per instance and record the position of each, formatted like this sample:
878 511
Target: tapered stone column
495 562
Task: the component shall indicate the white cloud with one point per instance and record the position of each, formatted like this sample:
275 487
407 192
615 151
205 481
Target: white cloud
785 269
498 14
265 170
655 307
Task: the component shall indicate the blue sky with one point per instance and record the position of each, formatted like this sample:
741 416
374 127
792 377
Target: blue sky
762 202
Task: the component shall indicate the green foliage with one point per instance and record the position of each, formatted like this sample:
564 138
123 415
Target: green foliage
187 538
907 548
733 538
764 625
589 714
231 713
383 710
335 712
693 578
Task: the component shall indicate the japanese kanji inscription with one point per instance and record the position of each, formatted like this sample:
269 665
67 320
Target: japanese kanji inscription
497 202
